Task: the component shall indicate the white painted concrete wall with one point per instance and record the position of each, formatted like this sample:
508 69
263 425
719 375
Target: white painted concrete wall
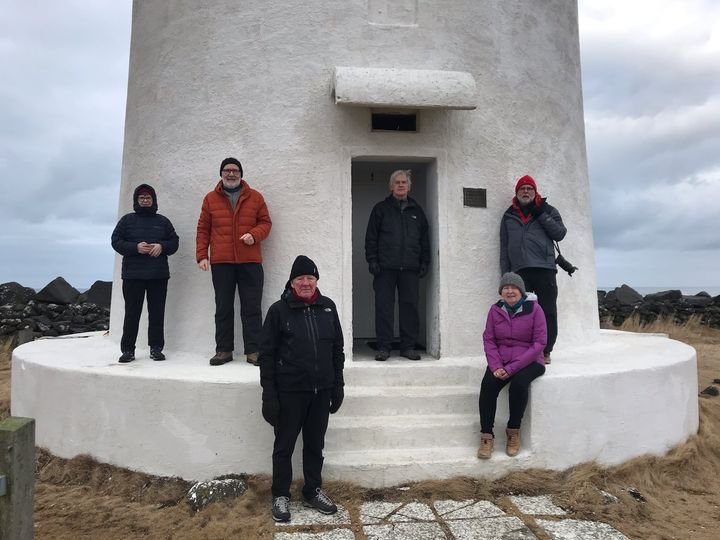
254 80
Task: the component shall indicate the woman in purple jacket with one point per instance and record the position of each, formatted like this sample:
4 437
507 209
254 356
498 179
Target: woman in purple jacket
514 338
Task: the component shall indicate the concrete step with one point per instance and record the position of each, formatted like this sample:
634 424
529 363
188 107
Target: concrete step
375 468
402 431
464 371
409 400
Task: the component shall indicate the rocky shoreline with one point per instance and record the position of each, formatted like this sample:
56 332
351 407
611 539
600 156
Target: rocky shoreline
60 309
623 302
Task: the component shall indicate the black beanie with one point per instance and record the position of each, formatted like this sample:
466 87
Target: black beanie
303 266
233 161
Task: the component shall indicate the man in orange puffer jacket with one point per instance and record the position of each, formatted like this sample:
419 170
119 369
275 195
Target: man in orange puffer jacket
233 221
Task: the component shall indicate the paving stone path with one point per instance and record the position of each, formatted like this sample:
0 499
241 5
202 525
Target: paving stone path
445 520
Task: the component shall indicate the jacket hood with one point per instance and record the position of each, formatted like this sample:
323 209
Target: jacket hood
139 209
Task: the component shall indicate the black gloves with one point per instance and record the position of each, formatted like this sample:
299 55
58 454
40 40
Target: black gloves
374 267
270 407
537 210
336 399
422 272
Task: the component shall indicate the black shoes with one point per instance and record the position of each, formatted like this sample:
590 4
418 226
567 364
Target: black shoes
321 502
127 356
221 357
281 509
410 354
382 355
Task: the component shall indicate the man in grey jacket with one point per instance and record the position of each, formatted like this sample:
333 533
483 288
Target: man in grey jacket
527 232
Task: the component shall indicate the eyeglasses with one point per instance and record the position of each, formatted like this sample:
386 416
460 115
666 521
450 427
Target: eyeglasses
526 189
231 171
145 197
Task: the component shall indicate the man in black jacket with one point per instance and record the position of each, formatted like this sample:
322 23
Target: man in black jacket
397 250
145 239
301 373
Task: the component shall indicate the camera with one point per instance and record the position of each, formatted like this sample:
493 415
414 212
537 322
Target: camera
566 265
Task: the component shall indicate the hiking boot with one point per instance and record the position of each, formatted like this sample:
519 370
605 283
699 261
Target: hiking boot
127 356
487 443
157 354
382 355
547 358
513 442
281 509
220 358
252 358
321 502
410 354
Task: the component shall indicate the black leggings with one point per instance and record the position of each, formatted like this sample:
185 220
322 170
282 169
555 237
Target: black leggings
518 395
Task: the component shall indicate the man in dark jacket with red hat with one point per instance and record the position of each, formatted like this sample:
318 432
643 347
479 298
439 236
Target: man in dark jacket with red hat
145 239
528 231
301 373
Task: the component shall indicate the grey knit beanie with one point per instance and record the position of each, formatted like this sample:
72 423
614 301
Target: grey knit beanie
511 278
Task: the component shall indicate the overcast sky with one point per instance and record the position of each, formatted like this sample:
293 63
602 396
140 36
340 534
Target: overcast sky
651 73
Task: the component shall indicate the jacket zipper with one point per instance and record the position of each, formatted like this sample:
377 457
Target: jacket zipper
311 327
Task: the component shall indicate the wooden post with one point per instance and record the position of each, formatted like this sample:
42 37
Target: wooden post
17 466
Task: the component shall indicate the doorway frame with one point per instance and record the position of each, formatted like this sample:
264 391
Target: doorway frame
435 159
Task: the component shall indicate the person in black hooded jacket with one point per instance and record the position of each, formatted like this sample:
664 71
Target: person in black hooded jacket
145 239
301 373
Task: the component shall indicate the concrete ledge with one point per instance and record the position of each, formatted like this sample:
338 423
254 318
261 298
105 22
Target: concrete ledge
404 88
619 397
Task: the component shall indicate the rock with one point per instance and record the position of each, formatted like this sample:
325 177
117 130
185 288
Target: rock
635 494
608 497
14 293
99 294
664 296
624 296
704 294
711 391
24 336
204 493
697 301
58 291
601 296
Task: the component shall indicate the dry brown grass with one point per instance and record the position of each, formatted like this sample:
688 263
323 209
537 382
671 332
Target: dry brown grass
83 499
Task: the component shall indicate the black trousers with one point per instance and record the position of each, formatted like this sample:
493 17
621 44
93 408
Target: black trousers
247 279
134 292
309 412
385 284
519 392
543 282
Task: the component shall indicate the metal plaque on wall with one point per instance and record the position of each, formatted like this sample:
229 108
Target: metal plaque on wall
475 197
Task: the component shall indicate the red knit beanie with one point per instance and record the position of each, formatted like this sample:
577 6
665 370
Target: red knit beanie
526 180
144 191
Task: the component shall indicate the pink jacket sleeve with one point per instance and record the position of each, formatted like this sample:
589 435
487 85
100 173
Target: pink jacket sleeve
492 354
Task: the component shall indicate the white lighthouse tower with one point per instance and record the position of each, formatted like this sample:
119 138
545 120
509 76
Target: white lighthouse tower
321 100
